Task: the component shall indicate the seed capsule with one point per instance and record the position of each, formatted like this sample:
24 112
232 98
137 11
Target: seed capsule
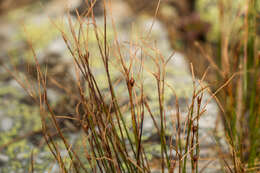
195 158
132 82
195 128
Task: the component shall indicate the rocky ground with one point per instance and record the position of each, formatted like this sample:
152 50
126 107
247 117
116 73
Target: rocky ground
19 115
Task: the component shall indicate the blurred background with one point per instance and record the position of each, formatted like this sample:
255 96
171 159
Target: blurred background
201 32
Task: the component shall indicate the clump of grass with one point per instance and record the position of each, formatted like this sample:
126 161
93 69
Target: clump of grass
239 98
109 143
237 60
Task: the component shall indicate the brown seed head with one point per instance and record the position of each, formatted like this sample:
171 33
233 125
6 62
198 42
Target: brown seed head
131 82
195 158
195 128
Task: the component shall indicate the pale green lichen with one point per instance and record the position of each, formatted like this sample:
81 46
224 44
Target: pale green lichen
25 119
10 90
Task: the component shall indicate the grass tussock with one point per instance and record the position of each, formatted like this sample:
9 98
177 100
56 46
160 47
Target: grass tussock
110 144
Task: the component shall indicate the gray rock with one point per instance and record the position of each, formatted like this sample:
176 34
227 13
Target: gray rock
3 158
6 124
